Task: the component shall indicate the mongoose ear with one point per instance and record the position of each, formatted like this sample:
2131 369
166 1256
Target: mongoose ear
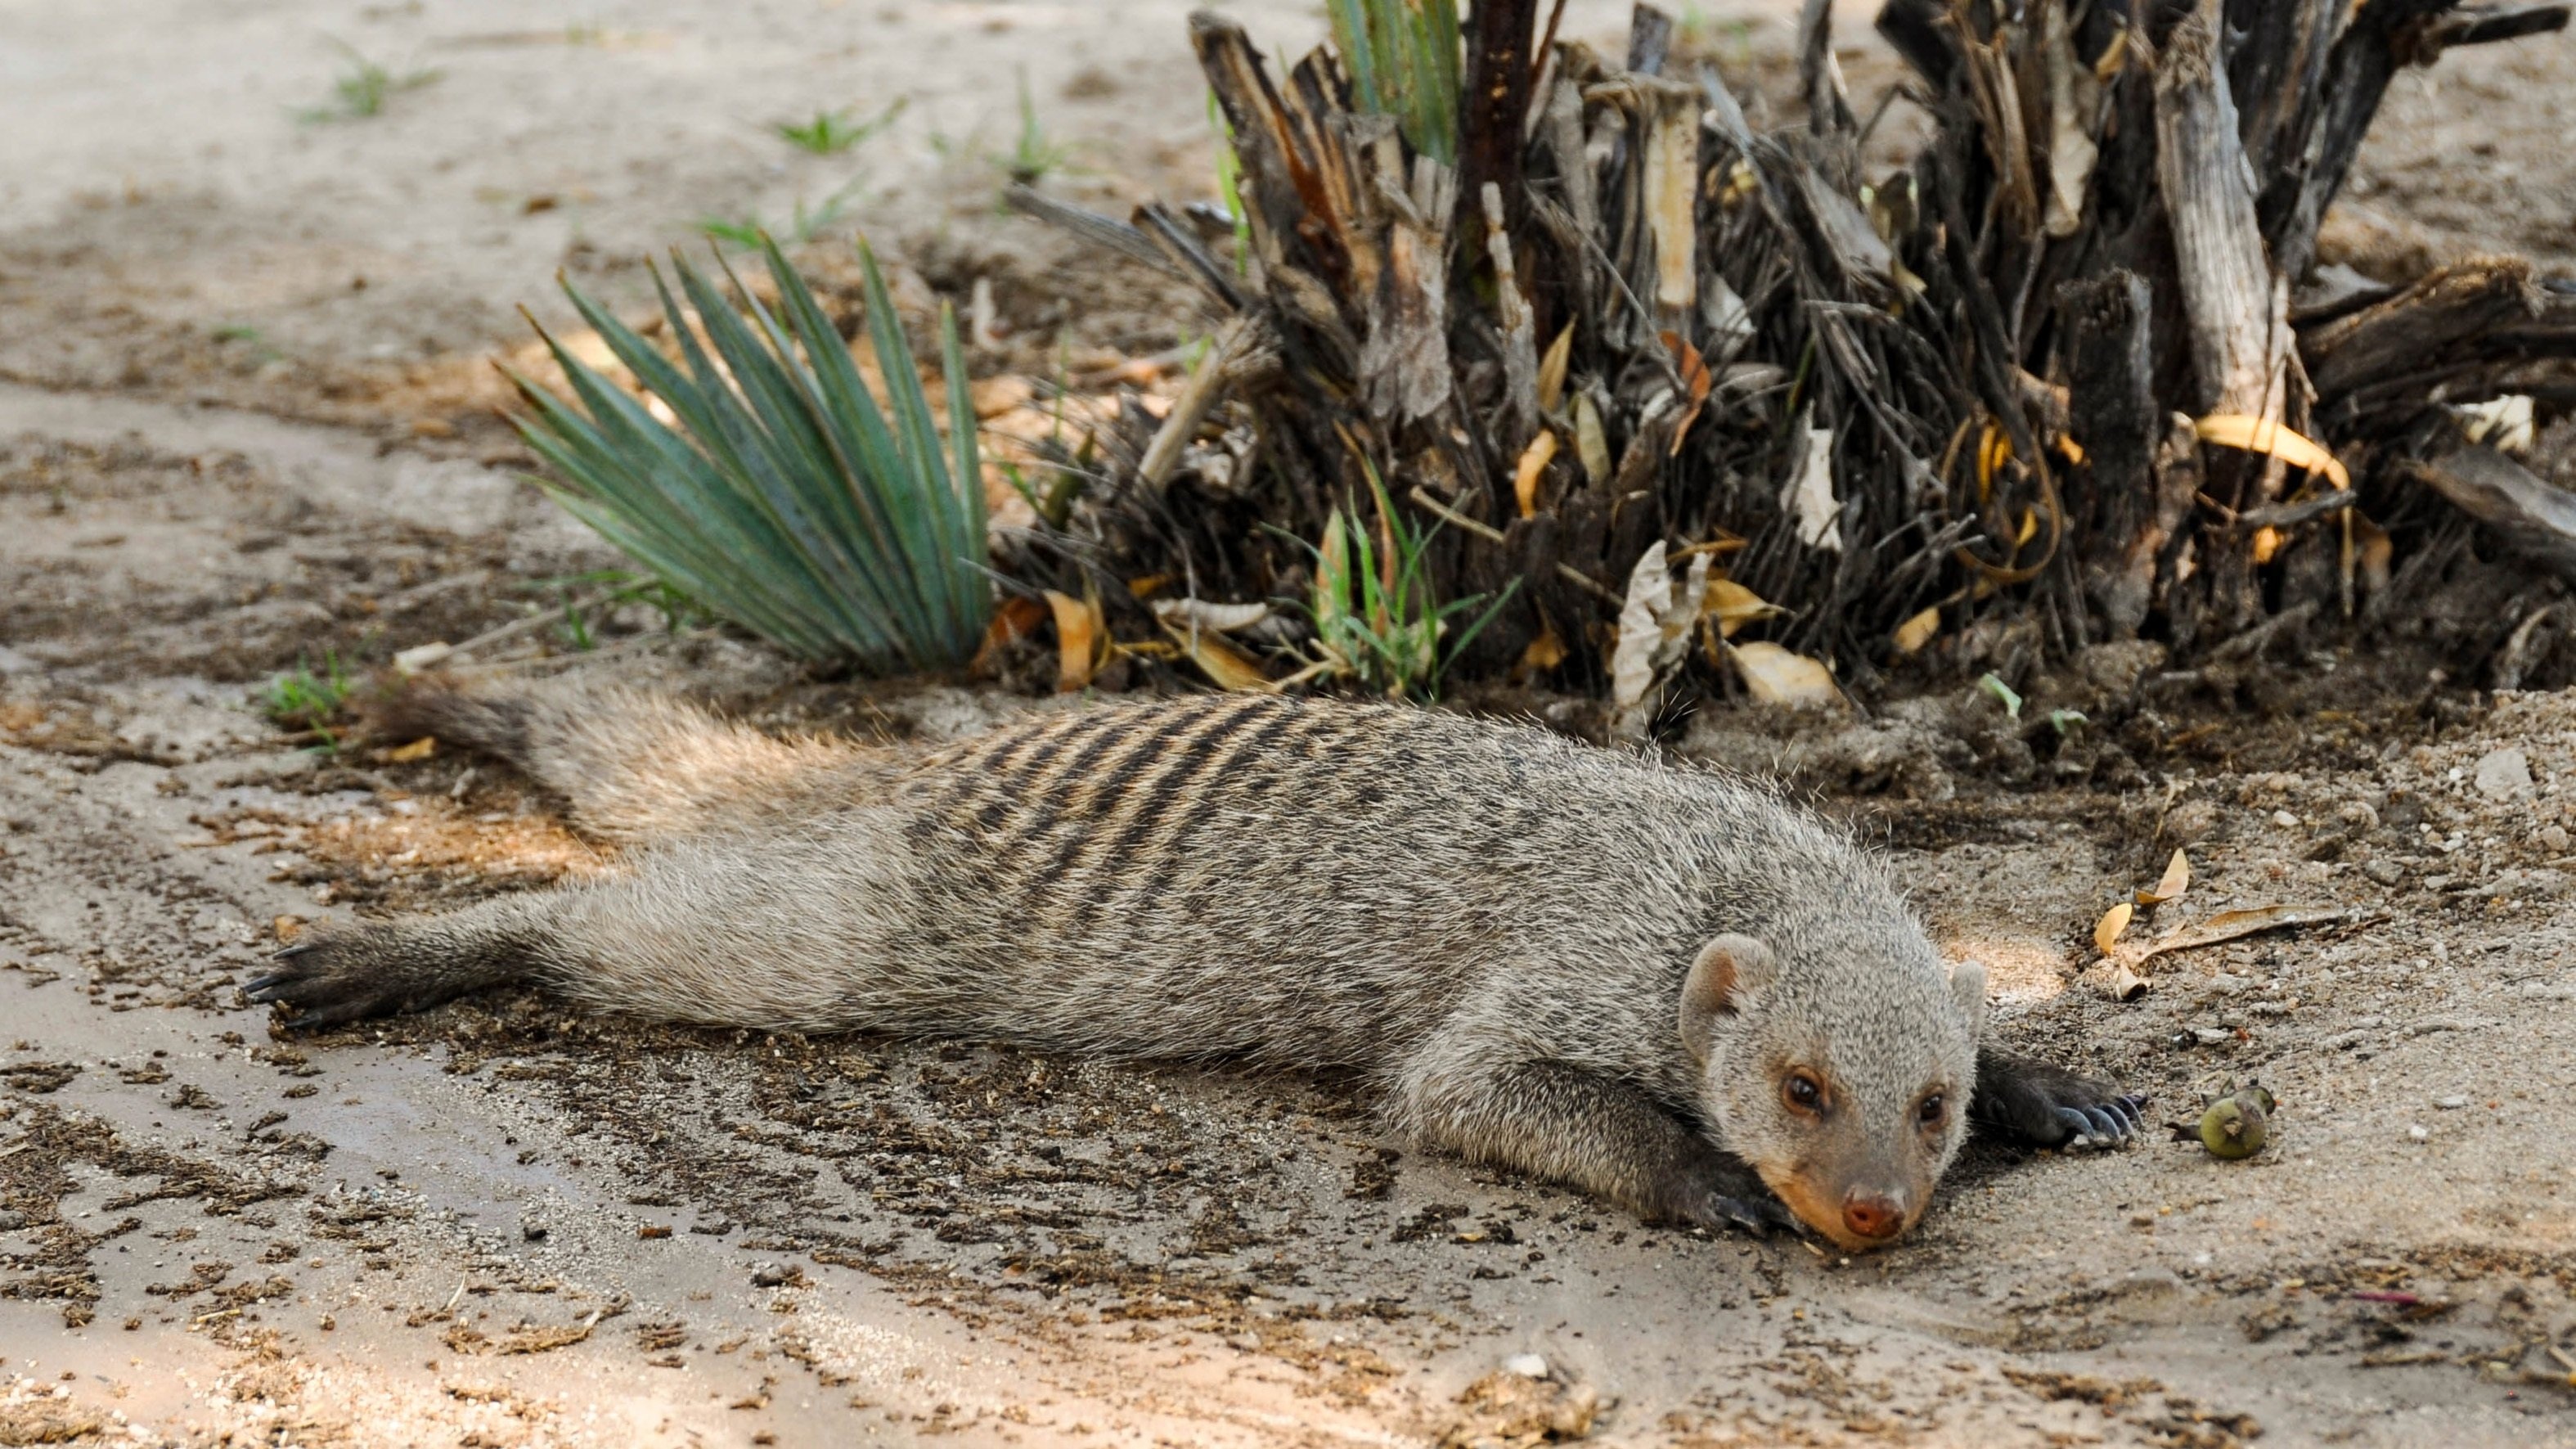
1726 965
1968 988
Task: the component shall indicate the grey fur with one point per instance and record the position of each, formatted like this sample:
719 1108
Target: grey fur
1492 923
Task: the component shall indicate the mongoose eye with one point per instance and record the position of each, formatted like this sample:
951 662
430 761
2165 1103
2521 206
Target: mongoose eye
1931 1109
1802 1091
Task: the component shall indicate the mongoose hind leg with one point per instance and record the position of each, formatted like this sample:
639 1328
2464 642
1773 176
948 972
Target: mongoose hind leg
797 930
1559 1121
2047 1106
339 974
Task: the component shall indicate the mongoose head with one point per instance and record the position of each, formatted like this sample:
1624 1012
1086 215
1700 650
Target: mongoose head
1842 1072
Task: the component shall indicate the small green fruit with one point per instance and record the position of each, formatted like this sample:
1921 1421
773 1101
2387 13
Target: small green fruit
2238 1124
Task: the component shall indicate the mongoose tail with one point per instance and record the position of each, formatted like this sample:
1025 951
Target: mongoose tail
634 765
1663 986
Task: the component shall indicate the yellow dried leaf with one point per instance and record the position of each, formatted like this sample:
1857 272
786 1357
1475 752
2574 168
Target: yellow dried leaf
1078 632
286 928
1148 586
1551 370
1916 632
2177 878
2106 931
1533 466
1773 675
2029 527
1544 652
419 749
2267 542
1591 443
1994 449
1733 606
2259 435
1220 662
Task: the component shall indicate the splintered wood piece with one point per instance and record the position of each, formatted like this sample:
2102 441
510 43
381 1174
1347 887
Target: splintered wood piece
1671 114
2535 519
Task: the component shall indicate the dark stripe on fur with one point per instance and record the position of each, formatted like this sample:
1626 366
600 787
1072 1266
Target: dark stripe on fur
1222 781
1141 813
1072 810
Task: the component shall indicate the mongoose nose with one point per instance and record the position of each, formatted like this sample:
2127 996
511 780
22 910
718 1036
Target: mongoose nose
1869 1215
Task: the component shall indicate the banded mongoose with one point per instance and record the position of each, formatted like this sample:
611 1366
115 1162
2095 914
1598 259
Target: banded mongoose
1662 985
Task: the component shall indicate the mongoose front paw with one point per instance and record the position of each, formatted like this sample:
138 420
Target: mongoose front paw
1723 1206
337 976
2050 1108
1759 1216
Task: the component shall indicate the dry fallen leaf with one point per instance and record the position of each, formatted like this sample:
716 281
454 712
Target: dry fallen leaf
1916 632
2116 981
419 749
1551 370
2106 931
2176 878
1532 467
2258 435
1733 606
1219 660
1591 444
1544 653
1078 632
2232 925
1696 383
1654 628
1809 494
1014 618
1773 675
1199 613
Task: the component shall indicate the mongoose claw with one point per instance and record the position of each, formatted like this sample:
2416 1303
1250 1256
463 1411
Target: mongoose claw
1758 1216
2114 1123
2046 1106
325 982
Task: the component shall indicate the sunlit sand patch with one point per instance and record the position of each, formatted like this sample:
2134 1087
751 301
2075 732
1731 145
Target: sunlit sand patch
2019 972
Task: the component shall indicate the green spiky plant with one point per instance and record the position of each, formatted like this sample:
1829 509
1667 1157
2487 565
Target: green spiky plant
783 496
1403 59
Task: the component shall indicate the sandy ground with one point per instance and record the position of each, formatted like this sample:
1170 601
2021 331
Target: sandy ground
244 420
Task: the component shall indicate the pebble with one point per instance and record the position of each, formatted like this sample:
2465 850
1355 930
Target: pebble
2285 819
2386 872
2450 1104
2555 838
1527 1365
2504 774
533 1229
2418 1133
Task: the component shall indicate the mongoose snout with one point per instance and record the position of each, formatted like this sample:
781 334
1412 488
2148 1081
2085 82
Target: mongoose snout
1873 1217
1664 986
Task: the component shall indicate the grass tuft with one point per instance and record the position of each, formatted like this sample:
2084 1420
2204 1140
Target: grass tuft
1377 622
832 132
782 494
1034 155
304 699
362 88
